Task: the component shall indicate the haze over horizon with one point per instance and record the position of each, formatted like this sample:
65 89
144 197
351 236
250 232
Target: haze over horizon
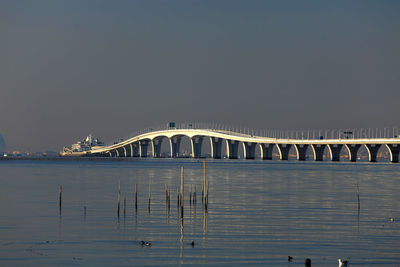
110 68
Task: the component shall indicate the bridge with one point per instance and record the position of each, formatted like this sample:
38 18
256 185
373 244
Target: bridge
140 145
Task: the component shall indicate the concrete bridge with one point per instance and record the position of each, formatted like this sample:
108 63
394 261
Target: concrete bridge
140 145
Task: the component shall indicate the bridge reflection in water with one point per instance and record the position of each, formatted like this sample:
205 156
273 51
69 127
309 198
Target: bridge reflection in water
140 145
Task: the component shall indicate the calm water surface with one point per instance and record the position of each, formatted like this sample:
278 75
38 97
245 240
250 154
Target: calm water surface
259 213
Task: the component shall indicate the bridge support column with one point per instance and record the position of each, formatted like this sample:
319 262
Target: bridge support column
124 151
284 151
266 151
318 150
232 149
143 144
334 151
196 143
135 150
216 147
156 147
301 150
372 151
175 143
353 149
249 150
394 150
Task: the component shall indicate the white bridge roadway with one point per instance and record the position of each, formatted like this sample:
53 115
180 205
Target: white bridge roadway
138 146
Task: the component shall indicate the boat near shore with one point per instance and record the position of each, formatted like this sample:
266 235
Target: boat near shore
81 148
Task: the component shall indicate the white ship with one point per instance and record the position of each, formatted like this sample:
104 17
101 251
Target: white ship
81 147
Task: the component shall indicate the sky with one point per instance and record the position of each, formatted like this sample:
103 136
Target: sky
110 68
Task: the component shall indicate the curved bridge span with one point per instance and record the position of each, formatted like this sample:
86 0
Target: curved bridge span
140 145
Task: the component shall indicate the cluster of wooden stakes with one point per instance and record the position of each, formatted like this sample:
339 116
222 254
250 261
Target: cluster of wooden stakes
179 193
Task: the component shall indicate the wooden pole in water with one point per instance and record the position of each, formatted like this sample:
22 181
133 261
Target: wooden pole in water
194 195
358 198
190 195
178 198
205 186
204 181
182 186
169 199
166 194
119 196
149 195
124 205
60 198
136 197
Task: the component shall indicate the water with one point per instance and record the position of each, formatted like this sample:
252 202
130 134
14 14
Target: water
259 213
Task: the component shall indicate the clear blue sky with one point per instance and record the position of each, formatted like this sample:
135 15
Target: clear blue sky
70 68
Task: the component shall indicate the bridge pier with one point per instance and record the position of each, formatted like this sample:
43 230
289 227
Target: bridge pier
135 149
216 147
353 149
318 150
143 144
372 151
232 147
156 147
175 143
196 142
249 150
394 150
266 151
128 150
301 150
334 151
284 151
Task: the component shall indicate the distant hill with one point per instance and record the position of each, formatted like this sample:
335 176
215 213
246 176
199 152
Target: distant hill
2 144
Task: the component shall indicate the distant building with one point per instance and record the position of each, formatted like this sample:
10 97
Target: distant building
2 144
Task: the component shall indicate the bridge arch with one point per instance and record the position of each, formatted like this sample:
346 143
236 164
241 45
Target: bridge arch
157 144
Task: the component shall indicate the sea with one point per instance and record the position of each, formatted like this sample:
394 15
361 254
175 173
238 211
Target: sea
258 213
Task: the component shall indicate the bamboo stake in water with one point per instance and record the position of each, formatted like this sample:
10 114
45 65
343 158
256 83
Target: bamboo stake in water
177 196
149 195
169 199
358 198
194 195
136 197
119 196
60 198
205 186
124 205
166 194
190 196
182 186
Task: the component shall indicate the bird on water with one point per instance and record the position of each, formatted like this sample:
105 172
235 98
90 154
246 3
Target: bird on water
307 263
289 258
343 263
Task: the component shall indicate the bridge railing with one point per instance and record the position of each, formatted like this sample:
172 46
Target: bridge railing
345 133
